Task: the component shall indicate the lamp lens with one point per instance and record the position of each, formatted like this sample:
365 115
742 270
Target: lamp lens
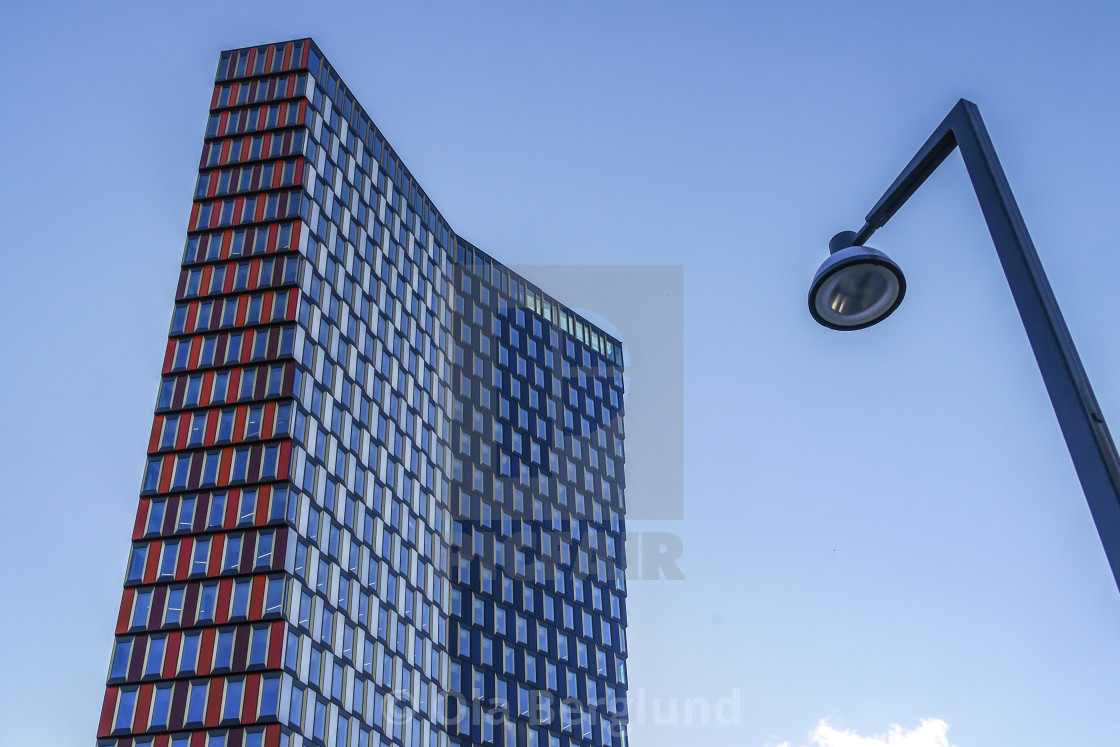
857 294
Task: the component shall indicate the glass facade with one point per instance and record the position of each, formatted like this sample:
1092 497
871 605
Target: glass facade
383 502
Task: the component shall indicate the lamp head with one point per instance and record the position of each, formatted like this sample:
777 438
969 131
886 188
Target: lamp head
855 287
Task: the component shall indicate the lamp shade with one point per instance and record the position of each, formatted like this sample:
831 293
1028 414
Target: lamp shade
856 287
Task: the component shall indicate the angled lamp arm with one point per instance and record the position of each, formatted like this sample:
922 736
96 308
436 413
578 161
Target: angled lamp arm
936 149
1086 434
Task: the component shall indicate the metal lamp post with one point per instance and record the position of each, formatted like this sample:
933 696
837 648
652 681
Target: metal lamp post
858 286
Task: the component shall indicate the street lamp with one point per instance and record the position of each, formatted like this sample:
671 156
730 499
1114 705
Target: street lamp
858 286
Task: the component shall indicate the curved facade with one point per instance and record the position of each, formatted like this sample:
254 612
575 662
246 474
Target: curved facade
384 495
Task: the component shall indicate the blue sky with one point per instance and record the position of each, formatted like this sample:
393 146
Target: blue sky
881 527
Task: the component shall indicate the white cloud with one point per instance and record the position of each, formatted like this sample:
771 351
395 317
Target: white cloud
931 733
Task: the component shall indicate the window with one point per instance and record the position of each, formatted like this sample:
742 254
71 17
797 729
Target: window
274 598
136 565
221 386
300 570
194 388
487 651
161 707
258 647
241 281
550 676
464 650
260 345
270 698
155 517
279 306
264 551
338 678
240 465
217 510
269 464
275 381
242 590
225 425
169 560
119 667
223 650
188 659
287 342
253 423
166 394
198 429
487 727
182 472
320 719
248 507
196 703
207 356
170 428
232 556
232 709
229 309
254 316
233 347
126 707
174 606
217 279
283 419
182 355
151 475
186 515
201 556
211 462
207 601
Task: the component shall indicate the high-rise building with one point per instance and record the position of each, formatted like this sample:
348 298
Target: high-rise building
383 501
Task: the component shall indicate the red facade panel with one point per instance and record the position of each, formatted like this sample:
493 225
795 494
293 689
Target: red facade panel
256 225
